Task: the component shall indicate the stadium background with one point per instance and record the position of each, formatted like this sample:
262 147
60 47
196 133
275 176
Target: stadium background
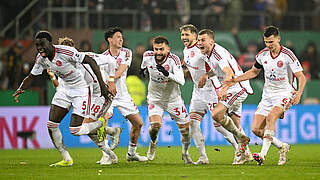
85 21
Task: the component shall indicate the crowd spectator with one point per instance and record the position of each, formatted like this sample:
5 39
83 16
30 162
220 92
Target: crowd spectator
310 57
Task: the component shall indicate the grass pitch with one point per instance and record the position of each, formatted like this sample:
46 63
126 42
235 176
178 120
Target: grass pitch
304 163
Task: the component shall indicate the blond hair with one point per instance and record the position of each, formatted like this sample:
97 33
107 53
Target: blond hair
66 41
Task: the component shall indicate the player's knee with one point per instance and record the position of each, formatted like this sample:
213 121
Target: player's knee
218 117
155 126
75 130
257 132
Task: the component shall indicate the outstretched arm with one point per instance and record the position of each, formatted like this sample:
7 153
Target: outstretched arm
252 73
25 84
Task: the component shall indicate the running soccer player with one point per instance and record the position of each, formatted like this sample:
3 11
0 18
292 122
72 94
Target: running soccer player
123 101
280 69
166 77
224 66
202 98
63 61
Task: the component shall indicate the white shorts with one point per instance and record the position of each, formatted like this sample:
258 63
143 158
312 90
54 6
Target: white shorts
98 104
269 100
79 98
235 97
176 109
124 104
202 100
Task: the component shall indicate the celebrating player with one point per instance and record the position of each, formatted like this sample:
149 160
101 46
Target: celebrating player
202 98
280 67
63 61
225 67
123 101
166 75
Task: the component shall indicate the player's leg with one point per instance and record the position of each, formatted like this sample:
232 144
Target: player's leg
113 132
219 115
55 117
195 121
155 125
178 112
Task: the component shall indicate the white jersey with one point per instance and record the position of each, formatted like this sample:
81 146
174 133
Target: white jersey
162 88
193 59
124 57
64 64
107 68
220 58
278 71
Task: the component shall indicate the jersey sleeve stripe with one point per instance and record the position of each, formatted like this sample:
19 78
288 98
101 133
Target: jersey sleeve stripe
290 54
216 55
64 51
175 59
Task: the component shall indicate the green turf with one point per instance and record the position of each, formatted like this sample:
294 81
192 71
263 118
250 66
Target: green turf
304 163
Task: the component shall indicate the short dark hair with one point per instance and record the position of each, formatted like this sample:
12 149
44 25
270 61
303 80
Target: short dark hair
189 27
160 40
44 34
111 31
209 32
271 30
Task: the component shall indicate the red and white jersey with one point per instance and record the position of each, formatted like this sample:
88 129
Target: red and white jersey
162 88
107 68
65 64
220 58
278 71
193 59
124 57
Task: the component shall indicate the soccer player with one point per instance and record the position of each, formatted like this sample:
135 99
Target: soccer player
225 67
280 67
63 61
166 77
98 103
202 98
123 101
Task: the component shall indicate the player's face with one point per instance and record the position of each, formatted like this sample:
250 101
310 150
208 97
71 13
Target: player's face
272 42
44 47
188 38
116 40
160 52
205 43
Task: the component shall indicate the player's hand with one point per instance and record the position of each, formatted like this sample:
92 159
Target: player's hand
112 88
222 95
163 70
143 72
50 73
296 97
105 92
17 94
229 82
202 81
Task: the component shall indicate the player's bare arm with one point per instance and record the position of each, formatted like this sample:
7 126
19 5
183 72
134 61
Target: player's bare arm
25 83
111 85
53 78
222 95
252 73
122 68
95 68
297 94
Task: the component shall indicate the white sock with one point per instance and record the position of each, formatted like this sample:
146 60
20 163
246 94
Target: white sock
228 124
105 148
227 135
132 148
110 130
267 139
276 142
185 140
197 134
56 138
247 146
87 128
